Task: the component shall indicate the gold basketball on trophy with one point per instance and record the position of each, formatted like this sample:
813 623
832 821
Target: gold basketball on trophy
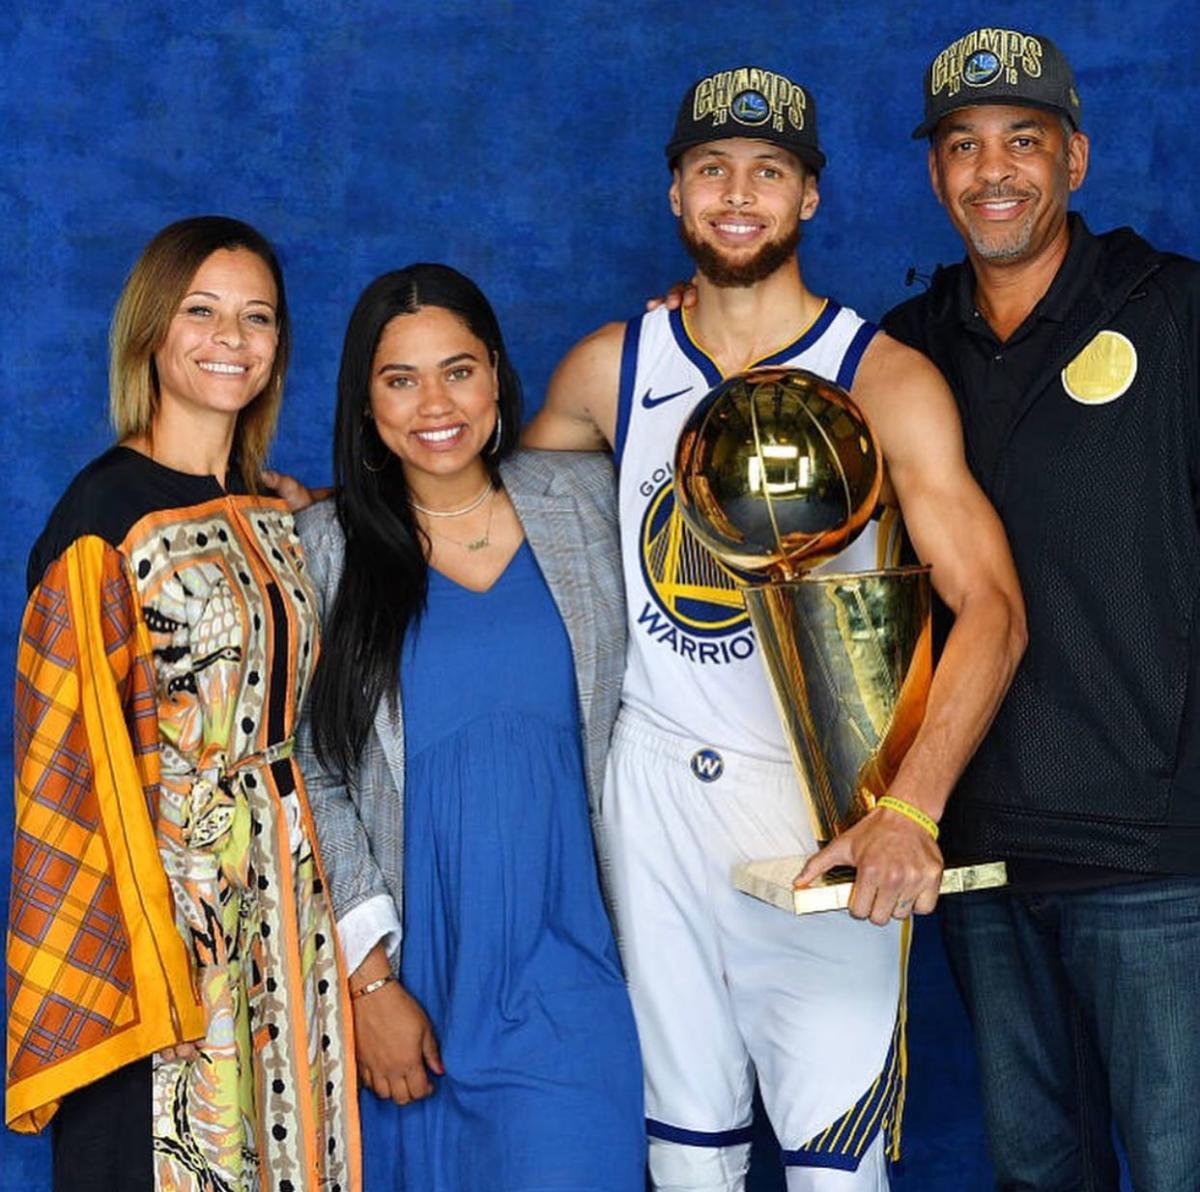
776 470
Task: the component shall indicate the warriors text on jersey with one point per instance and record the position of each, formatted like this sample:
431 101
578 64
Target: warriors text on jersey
691 667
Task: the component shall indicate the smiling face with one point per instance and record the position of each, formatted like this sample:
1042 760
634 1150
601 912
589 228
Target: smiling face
740 204
433 396
221 341
1004 175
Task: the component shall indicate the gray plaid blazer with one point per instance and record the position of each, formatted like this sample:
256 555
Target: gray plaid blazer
567 505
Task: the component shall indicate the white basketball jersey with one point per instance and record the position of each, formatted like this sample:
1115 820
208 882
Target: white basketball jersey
692 666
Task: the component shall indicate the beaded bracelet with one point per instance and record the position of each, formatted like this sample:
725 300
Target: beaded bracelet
371 986
908 810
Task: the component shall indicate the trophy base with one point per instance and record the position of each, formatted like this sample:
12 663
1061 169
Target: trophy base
771 881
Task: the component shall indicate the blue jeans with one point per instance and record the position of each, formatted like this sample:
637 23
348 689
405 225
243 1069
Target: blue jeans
1086 1009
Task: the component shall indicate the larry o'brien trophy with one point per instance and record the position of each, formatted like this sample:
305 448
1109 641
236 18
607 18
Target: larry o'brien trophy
777 471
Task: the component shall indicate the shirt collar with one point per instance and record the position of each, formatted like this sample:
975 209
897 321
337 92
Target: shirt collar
1072 278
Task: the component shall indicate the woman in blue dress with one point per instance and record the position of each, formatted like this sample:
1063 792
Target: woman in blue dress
473 642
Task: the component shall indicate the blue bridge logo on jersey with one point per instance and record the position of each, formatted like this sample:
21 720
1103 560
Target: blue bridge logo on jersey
750 107
697 607
707 765
649 400
981 68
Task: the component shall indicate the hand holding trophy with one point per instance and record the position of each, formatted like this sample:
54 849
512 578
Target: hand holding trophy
777 471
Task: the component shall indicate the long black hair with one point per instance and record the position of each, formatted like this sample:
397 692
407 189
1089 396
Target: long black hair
386 576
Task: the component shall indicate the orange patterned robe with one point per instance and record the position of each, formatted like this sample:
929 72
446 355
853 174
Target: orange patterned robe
166 885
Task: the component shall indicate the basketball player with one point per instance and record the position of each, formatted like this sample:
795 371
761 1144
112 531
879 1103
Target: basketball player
726 988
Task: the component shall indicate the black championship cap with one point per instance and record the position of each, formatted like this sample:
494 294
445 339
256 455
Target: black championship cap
998 66
748 102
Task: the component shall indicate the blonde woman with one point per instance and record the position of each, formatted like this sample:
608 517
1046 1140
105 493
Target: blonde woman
175 1006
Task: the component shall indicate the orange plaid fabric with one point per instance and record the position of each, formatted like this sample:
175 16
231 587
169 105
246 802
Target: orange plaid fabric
98 975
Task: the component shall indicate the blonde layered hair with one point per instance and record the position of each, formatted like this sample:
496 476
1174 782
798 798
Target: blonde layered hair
150 300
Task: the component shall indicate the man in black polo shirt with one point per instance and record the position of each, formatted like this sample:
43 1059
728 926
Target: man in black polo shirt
1074 359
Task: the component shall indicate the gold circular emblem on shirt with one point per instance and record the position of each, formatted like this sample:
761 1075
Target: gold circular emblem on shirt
1102 371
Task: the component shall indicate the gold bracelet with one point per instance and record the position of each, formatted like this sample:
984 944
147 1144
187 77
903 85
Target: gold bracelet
913 813
371 986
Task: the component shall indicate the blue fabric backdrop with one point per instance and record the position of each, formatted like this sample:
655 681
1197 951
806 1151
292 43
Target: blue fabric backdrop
520 142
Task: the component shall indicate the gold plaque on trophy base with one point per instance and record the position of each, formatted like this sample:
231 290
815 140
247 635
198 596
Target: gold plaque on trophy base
771 881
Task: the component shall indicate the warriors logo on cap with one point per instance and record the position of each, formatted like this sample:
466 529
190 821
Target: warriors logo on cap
981 68
750 107
748 102
1001 66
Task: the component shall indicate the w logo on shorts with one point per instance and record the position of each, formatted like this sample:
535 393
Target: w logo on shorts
707 765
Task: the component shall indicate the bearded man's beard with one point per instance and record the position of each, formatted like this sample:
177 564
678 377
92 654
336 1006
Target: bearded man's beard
725 273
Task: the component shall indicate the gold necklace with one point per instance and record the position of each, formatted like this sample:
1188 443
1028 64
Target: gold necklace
472 544
469 507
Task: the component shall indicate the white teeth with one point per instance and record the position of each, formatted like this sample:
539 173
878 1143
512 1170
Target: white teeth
999 205
437 436
737 229
214 366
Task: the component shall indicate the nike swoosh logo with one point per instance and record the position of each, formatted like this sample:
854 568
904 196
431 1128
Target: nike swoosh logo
650 402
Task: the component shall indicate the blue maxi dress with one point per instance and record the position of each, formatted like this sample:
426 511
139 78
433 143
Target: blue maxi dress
506 942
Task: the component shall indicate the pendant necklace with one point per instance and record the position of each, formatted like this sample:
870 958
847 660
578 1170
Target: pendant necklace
486 540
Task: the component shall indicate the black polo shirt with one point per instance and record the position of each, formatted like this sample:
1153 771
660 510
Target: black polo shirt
996 374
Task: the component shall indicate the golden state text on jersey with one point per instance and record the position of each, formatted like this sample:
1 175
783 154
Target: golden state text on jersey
696 604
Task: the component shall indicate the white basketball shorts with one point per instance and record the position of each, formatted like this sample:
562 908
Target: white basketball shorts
726 988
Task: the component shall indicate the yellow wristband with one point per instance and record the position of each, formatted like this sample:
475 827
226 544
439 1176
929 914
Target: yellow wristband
908 810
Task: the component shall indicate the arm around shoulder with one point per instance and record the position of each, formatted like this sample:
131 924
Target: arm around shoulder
580 411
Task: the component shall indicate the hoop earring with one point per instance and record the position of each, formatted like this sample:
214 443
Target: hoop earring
494 446
382 466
